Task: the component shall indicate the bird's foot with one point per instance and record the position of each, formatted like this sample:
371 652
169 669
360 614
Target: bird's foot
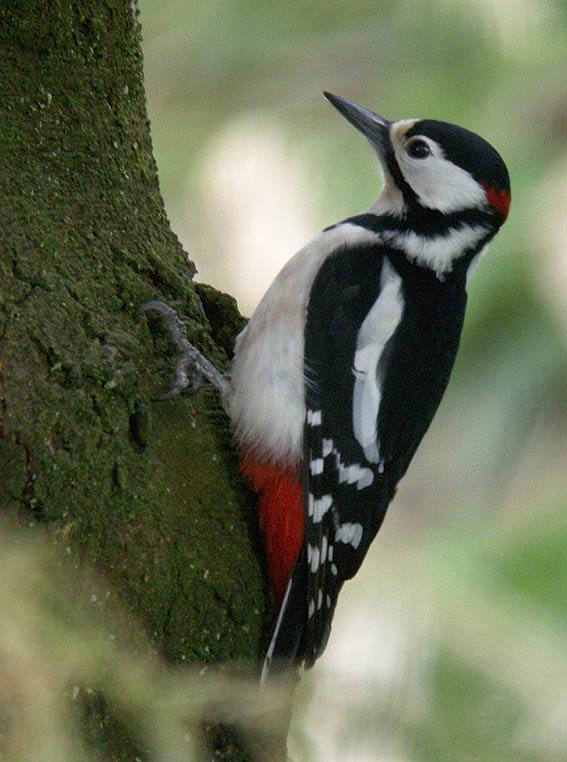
191 366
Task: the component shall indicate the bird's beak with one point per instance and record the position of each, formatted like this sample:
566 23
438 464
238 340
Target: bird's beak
372 126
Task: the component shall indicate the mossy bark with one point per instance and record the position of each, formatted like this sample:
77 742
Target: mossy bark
144 490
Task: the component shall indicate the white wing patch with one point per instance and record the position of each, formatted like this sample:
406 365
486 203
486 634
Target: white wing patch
316 466
313 558
376 330
313 417
354 474
318 507
349 534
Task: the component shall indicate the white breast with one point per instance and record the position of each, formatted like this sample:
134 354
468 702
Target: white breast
266 400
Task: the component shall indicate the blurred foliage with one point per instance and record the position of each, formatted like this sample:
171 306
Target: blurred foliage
79 682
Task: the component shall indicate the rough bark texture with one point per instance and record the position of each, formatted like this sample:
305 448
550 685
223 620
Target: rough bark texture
143 489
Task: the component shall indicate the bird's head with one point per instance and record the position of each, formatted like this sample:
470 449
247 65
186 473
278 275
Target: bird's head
433 165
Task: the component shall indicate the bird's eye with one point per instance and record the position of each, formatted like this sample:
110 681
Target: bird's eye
418 149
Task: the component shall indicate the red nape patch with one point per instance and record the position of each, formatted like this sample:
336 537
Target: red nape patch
280 509
499 200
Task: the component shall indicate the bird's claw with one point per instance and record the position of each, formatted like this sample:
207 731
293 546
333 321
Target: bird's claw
188 357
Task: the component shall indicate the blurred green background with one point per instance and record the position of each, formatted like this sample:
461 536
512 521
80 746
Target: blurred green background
451 644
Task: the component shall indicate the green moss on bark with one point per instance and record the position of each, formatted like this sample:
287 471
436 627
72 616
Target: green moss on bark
145 490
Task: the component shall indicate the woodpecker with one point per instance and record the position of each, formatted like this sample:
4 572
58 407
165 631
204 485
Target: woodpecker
341 368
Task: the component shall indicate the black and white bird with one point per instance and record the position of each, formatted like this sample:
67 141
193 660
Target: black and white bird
339 372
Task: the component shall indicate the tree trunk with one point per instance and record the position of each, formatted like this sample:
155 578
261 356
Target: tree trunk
144 490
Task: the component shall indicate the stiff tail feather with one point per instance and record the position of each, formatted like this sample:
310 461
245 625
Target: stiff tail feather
285 645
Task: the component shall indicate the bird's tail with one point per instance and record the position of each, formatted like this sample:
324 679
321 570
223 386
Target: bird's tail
285 645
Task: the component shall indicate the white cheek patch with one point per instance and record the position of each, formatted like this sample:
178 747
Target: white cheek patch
437 182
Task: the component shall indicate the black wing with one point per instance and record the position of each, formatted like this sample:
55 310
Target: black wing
348 482
346 496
